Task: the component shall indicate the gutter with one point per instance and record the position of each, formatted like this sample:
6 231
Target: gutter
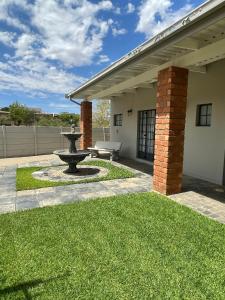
74 101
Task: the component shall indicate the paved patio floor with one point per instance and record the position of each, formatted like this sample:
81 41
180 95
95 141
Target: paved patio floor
204 197
11 200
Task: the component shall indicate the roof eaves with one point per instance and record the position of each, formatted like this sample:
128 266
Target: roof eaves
198 13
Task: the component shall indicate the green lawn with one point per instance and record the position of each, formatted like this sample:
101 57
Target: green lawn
138 246
25 181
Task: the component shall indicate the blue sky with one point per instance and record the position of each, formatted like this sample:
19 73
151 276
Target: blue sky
48 47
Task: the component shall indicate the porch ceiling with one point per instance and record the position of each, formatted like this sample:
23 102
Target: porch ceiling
193 43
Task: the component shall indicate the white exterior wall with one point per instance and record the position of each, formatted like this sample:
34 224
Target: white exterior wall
143 99
204 146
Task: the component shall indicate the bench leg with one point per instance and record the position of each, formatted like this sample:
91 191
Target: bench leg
114 156
94 154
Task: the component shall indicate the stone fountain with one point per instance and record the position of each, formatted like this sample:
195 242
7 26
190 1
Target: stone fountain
72 156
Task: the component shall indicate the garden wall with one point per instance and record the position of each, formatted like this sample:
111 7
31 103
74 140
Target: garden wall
35 140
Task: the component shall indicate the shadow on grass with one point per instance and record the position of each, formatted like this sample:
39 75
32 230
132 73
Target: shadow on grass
25 286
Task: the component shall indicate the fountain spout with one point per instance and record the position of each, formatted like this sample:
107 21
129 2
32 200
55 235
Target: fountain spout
73 128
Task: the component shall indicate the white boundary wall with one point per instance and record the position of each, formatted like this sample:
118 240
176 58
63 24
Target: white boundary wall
26 141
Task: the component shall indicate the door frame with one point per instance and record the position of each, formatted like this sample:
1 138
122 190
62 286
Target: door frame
138 134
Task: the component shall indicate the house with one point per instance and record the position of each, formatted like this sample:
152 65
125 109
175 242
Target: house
168 100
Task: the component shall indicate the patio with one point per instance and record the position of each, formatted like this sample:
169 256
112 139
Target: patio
204 197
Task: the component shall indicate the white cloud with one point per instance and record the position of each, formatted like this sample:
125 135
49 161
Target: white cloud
103 59
34 76
7 38
7 13
24 45
130 8
71 32
117 10
62 34
118 31
156 15
61 105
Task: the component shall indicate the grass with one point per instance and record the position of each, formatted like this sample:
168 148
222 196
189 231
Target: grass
138 246
25 180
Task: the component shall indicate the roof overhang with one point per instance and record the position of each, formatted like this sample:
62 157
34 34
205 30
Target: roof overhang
193 42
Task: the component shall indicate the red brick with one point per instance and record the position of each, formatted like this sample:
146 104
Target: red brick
170 124
86 125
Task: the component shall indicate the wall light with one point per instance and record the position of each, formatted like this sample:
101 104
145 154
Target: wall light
129 112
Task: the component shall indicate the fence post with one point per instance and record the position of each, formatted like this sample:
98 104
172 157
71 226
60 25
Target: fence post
103 129
4 141
61 138
35 140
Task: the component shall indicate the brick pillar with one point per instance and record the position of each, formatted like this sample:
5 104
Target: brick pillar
169 135
86 124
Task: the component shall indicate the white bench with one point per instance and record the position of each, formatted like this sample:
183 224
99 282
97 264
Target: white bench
111 148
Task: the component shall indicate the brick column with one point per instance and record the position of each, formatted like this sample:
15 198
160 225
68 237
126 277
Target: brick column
169 134
86 124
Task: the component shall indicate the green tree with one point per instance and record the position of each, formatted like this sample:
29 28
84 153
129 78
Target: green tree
64 119
101 116
5 108
20 114
68 118
49 121
5 120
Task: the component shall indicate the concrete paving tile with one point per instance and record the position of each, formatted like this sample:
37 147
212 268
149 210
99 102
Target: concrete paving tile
121 191
23 205
7 193
26 198
7 186
44 196
61 188
11 168
46 190
97 186
34 164
87 196
50 202
26 193
8 177
23 165
7 200
71 198
7 208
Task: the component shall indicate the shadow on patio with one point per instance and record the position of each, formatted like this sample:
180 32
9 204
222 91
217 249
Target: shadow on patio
190 184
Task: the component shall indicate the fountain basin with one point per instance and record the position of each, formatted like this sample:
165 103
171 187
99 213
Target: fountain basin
72 158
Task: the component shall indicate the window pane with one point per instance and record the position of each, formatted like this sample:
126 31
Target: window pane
203 120
118 120
203 110
208 121
209 109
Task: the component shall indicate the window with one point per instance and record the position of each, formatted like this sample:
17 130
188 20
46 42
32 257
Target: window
118 120
204 113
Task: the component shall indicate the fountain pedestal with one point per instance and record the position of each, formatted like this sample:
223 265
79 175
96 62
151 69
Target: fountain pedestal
72 156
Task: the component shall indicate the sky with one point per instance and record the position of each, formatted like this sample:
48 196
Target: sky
49 47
